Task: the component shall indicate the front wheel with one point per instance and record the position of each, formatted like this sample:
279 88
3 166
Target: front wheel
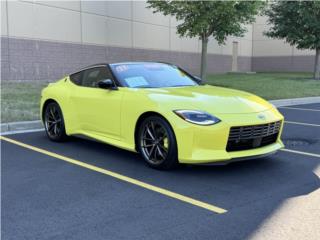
157 143
54 123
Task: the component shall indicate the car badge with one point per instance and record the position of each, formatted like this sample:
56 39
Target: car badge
262 117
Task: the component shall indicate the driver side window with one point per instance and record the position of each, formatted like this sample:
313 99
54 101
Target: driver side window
92 76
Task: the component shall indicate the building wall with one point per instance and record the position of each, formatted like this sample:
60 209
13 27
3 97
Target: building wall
276 55
45 40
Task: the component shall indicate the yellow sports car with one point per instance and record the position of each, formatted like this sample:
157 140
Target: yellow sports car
162 112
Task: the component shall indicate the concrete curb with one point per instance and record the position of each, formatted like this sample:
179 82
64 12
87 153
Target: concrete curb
20 126
29 126
295 101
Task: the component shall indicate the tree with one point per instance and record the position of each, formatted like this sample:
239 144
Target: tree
298 22
203 19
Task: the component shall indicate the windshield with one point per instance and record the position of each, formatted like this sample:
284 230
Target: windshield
151 75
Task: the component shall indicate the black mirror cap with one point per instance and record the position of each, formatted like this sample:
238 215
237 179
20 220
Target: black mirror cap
107 84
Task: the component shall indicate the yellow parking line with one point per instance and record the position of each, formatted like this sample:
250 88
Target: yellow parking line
304 124
163 191
302 109
302 153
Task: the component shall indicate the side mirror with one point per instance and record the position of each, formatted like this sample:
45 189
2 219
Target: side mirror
107 84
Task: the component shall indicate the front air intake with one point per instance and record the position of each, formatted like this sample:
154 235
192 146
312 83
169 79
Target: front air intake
250 137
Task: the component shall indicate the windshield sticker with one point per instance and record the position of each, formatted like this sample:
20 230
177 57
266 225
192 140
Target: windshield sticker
136 81
121 68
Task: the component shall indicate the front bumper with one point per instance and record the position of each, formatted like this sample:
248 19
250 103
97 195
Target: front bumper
222 156
238 159
207 144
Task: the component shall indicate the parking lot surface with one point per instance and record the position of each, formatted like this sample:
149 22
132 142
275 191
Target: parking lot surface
44 197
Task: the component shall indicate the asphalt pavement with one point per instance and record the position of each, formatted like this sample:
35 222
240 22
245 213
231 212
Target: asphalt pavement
46 197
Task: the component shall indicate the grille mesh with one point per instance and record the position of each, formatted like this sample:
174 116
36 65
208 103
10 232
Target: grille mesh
248 137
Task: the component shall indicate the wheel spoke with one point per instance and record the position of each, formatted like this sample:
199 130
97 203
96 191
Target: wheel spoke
163 148
52 114
48 116
147 145
150 133
151 151
160 152
162 138
58 127
152 127
55 129
50 126
147 139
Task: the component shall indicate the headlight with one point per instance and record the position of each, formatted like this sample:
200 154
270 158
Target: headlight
197 117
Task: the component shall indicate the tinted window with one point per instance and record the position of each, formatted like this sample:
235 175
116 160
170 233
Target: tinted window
76 78
151 75
92 76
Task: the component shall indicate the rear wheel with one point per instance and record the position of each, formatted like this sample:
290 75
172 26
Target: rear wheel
54 123
157 143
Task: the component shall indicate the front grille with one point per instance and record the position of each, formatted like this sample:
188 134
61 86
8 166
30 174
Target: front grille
249 137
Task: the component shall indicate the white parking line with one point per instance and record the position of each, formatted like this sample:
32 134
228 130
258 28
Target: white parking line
302 109
302 153
305 124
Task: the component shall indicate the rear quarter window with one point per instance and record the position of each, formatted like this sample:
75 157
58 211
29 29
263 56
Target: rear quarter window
76 78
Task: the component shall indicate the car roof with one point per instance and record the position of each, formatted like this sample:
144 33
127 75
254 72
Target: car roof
115 63
138 62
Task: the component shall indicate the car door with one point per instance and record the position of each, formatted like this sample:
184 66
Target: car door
97 110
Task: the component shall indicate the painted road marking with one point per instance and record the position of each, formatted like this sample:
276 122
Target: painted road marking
121 177
305 124
302 109
302 153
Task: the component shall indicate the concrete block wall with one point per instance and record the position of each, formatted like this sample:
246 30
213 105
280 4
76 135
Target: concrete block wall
44 40
276 55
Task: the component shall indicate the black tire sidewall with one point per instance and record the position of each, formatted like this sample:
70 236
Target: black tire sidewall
172 157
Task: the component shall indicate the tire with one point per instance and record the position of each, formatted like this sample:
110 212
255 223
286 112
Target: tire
54 123
157 143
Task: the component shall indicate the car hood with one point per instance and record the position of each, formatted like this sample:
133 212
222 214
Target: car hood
208 98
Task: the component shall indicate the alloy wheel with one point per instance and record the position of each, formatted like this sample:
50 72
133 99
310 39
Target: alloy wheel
53 121
154 142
